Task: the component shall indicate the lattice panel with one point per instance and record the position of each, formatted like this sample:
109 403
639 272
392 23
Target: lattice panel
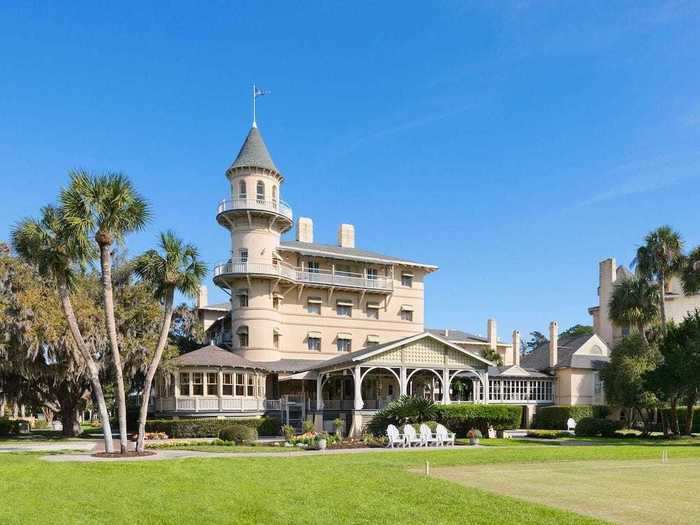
425 351
455 358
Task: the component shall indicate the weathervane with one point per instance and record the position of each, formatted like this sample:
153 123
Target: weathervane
257 93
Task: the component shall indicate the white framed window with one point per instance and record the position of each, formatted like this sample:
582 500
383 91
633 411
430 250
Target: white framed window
343 308
313 305
372 310
212 383
243 254
197 383
242 333
406 312
250 391
242 298
276 340
276 301
185 384
240 384
227 385
242 194
407 279
313 267
372 340
344 343
313 341
260 190
372 274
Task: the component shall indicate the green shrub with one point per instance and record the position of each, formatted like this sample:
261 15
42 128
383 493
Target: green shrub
432 425
406 409
270 426
593 426
40 424
460 418
195 428
601 411
289 432
555 417
9 427
547 434
239 434
308 426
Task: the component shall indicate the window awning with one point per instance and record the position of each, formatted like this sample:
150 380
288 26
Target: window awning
344 303
314 300
373 305
407 274
242 291
314 335
372 338
278 296
407 307
343 335
242 330
276 331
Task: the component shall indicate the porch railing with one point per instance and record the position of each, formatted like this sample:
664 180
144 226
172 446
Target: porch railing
275 206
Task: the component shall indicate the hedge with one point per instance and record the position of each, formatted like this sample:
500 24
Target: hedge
238 434
555 417
460 418
9 426
194 428
593 426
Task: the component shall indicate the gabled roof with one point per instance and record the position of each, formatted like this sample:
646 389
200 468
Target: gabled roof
514 371
354 254
366 353
212 355
538 359
254 154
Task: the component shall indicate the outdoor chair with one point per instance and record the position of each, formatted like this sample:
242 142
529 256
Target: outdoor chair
410 434
427 437
570 424
395 437
443 436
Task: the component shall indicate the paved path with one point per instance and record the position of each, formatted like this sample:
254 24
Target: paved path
163 454
48 447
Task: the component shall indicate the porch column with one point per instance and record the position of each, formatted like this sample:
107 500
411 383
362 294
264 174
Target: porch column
359 404
402 381
319 392
485 379
476 384
445 386
220 389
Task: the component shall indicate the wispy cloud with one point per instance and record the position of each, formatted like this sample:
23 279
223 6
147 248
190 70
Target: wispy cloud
648 176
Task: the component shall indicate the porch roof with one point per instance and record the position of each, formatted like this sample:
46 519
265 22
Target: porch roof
212 355
359 356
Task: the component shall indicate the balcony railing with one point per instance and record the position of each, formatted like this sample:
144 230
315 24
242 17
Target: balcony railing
208 404
306 276
274 206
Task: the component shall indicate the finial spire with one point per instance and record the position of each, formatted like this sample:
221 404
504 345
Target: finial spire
257 93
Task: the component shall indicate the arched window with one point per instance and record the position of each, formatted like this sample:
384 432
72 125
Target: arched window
261 190
274 195
242 194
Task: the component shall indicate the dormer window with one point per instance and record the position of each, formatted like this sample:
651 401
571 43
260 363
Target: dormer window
242 194
260 190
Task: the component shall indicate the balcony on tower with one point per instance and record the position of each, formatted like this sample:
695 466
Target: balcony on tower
275 209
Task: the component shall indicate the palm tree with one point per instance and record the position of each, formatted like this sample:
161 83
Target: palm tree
106 207
659 259
45 245
175 268
634 302
691 273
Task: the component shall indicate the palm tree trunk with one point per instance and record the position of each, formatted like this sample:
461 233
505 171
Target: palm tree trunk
153 367
643 334
662 298
690 407
111 324
87 356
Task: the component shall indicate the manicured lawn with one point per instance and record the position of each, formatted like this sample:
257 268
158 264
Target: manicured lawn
361 488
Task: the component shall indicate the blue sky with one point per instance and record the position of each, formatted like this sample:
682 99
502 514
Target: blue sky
514 144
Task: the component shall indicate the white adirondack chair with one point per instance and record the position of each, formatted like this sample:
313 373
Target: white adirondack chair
570 424
426 436
443 436
395 437
411 437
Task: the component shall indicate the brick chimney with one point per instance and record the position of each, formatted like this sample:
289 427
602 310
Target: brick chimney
346 236
516 348
553 344
305 230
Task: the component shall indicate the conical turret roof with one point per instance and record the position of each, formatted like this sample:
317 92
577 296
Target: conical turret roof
254 153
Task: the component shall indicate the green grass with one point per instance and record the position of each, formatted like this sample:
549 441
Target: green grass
360 488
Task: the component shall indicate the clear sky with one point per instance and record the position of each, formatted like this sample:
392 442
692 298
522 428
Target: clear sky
513 146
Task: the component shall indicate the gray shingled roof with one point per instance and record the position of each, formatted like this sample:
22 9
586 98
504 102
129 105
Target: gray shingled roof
337 252
212 355
289 365
458 336
538 359
254 153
